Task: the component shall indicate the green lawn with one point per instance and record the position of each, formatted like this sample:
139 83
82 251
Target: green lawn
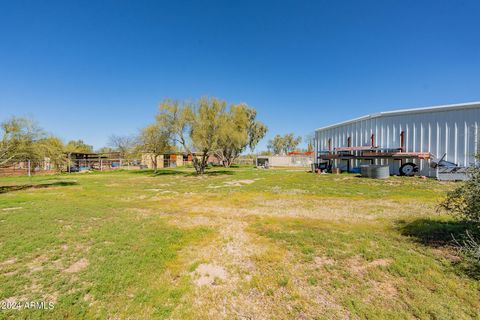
236 243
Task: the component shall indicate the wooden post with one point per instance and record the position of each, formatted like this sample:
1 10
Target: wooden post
402 141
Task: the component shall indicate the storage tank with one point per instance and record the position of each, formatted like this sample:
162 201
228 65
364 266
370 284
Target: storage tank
375 171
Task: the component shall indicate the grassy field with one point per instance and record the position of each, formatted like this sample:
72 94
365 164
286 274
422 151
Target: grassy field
233 244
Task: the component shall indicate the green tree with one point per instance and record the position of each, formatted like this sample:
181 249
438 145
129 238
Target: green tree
78 146
105 150
276 145
17 139
155 141
283 144
194 126
51 148
239 130
290 142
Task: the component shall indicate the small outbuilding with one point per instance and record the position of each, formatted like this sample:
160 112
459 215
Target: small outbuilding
172 160
292 159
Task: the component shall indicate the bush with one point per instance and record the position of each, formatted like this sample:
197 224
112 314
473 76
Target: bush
470 248
464 201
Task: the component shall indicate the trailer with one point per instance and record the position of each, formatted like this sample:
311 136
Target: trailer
371 155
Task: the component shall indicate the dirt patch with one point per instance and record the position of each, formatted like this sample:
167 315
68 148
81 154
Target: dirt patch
11 273
51 297
233 183
37 264
380 263
8 262
89 298
358 265
322 261
240 182
77 266
385 289
194 221
209 274
12 208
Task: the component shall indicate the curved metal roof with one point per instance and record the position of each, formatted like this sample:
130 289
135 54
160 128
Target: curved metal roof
448 107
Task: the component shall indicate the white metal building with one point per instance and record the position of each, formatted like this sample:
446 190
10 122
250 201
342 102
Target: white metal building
451 131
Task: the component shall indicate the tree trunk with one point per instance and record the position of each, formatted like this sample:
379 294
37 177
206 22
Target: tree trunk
154 162
196 165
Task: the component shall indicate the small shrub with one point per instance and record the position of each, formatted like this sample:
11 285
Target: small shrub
471 248
464 201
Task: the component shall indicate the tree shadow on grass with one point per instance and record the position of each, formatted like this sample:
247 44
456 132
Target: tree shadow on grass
436 233
218 173
448 234
18 187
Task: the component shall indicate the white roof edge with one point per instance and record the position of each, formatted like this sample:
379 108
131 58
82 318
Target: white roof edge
466 105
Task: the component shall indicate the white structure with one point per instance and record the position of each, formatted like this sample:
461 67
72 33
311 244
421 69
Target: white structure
450 130
285 161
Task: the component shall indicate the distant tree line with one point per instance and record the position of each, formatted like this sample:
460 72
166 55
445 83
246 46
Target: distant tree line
21 139
203 128
283 144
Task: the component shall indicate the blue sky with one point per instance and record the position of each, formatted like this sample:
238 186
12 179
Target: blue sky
89 69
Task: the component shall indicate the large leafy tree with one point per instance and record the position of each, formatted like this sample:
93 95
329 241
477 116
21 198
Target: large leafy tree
78 146
284 144
52 148
196 127
276 144
290 142
17 139
239 130
22 140
154 141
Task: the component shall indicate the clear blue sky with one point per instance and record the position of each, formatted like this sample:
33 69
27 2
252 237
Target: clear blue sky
89 69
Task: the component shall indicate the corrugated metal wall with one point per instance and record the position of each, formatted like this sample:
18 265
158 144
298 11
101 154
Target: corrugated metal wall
454 132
